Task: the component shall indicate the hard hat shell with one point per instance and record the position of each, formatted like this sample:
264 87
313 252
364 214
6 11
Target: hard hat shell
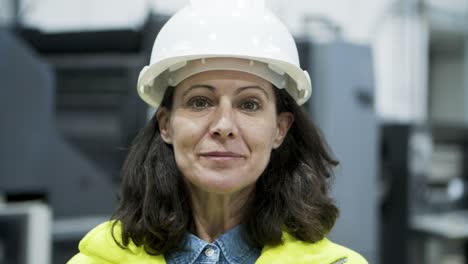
205 29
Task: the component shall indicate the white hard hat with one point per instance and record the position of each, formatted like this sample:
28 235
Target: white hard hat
196 37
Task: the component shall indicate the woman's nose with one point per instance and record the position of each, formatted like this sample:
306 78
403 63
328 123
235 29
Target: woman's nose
223 125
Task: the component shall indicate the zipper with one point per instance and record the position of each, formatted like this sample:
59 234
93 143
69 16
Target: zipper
340 261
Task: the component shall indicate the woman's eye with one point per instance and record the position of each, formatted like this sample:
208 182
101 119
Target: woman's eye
250 105
199 103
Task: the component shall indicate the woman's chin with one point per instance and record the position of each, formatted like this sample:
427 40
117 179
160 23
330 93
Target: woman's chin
220 183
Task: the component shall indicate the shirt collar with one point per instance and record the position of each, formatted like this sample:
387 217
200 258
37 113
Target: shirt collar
232 245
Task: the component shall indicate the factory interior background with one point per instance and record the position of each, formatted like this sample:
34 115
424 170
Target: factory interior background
390 95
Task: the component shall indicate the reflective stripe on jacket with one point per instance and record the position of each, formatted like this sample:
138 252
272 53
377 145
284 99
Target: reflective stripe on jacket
98 246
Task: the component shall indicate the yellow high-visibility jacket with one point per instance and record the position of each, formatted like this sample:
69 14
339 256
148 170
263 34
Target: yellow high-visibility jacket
98 247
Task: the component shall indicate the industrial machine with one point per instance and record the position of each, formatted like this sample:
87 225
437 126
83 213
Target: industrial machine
69 114
342 106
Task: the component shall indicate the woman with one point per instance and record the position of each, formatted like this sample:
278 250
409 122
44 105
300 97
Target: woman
230 169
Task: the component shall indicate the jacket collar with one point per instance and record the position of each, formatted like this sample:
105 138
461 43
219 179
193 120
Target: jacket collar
300 252
99 244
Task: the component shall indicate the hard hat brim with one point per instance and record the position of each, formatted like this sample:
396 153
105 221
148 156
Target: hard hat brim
150 90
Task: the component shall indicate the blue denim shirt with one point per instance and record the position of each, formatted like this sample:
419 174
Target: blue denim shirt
229 248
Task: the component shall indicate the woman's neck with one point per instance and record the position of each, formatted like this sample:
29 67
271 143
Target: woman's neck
214 214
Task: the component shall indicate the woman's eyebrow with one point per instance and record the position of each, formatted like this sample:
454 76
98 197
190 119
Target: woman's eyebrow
197 86
239 90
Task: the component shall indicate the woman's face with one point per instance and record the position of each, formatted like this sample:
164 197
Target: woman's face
223 127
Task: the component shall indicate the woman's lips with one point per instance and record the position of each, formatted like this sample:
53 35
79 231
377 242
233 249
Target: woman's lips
221 155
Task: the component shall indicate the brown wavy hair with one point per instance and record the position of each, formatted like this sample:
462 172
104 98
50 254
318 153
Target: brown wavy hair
291 194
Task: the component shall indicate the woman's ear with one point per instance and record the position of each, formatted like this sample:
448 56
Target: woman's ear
163 117
285 121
